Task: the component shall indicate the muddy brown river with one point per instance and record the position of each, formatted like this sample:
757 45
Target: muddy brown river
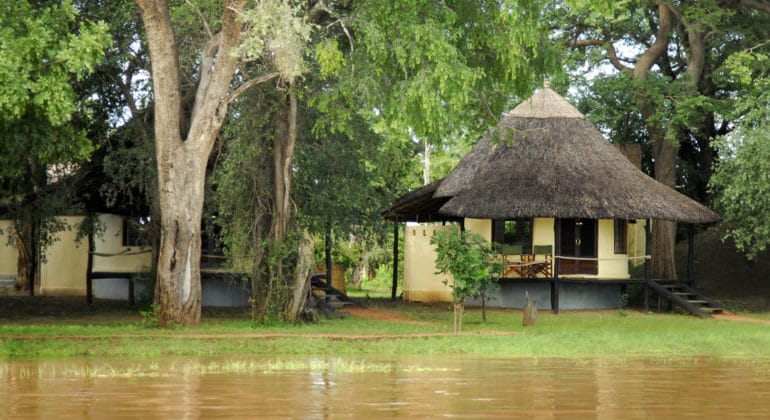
383 387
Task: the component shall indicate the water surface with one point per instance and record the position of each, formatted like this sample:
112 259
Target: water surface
376 387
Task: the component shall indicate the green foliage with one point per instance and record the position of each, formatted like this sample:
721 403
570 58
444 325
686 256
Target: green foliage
472 261
277 30
39 50
330 58
437 67
44 51
741 179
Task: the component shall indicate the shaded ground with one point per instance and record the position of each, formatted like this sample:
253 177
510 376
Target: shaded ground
722 273
22 308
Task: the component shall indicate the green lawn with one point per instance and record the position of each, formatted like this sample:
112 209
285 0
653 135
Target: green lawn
571 334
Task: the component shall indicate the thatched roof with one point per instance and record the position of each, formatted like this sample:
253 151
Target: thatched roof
419 206
545 159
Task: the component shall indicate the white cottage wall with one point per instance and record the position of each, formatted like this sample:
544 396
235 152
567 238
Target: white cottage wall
421 283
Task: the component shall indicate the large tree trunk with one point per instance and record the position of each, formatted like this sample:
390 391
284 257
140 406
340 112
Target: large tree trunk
23 241
178 286
663 232
301 287
283 157
665 154
663 264
182 161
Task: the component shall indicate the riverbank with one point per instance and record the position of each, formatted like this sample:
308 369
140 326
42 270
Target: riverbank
384 328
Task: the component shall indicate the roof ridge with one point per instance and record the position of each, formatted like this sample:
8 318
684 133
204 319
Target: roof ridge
545 103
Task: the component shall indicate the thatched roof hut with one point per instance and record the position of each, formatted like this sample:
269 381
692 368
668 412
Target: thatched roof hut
546 159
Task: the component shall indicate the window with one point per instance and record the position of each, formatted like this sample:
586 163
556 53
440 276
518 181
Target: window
621 236
135 231
513 232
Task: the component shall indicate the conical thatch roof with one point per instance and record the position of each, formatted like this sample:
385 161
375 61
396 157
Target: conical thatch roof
545 159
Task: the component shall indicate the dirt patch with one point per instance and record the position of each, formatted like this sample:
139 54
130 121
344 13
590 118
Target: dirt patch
380 315
729 316
328 336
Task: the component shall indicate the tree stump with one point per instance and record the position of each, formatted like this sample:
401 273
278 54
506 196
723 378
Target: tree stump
530 311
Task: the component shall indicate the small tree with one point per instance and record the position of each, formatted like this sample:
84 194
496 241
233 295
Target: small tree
473 263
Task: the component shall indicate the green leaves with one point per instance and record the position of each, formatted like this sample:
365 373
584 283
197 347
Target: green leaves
330 59
276 31
469 258
741 179
434 68
39 49
42 49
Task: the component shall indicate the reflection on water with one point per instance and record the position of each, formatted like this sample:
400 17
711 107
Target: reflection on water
457 386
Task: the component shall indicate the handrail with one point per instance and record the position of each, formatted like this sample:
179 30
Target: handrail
641 257
120 254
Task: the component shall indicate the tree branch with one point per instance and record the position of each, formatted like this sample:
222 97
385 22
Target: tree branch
250 83
165 74
652 54
607 44
207 67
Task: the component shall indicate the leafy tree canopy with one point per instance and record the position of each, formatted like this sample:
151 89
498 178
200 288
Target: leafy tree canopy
741 178
42 51
434 68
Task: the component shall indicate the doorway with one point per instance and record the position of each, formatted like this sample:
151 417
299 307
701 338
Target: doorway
578 238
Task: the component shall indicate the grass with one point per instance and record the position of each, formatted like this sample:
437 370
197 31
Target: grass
571 334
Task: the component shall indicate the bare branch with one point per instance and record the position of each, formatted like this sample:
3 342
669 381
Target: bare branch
250 83
611 52
579 43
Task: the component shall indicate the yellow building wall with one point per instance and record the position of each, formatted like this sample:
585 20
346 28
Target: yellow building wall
421 283
121 259
63 272
480 226
8 252
542 233
637 242
611 265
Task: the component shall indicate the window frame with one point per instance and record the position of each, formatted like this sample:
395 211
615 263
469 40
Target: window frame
133 233
523 235
620 236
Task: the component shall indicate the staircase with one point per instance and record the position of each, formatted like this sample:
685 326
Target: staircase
333 296
685 296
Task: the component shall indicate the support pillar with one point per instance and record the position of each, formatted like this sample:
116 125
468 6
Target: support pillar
690 253
555 282
90 270
647 249
394 287
328 254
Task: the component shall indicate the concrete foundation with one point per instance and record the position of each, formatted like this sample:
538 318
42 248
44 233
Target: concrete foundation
217 290
571 295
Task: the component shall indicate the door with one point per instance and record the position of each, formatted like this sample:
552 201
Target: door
578 238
